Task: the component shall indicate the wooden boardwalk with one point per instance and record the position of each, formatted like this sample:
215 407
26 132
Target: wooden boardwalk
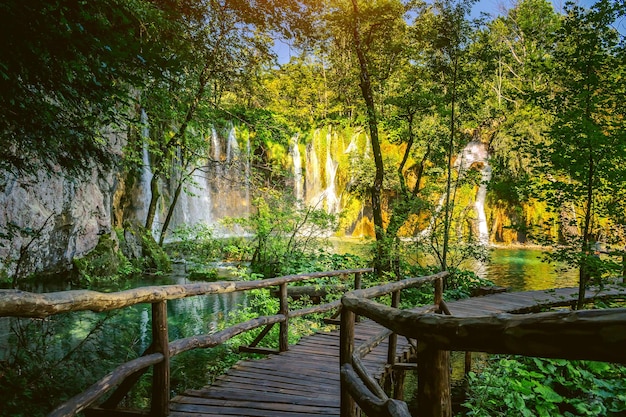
305 380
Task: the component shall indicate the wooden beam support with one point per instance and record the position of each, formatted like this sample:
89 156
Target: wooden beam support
160 406
346 349
283 342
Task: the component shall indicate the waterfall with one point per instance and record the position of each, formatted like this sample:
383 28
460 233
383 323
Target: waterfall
483 229
294 152
475 154
247 175
232 147
330 193
315 195
146 171
146 176
230 177
313 181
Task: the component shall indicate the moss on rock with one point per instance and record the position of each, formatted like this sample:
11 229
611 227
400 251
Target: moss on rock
102 262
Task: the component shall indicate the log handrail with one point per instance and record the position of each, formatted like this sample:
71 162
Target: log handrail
559 334
15 303
353 389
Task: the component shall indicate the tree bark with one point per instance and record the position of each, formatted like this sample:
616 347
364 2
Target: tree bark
372 121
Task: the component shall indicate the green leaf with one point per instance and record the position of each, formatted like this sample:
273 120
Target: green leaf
548 394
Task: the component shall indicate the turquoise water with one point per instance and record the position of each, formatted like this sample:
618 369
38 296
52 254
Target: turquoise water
524 270
519 269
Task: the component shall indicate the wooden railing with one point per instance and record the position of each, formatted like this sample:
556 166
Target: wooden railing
15 303
585 334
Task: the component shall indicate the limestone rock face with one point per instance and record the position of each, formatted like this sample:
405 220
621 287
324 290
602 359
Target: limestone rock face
48 219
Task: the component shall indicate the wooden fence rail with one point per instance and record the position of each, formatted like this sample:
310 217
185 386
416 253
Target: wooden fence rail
15 303
585 334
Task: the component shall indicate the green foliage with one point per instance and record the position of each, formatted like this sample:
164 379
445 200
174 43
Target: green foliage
50 360
195 243
284 233
513 386
104 263
203 274
155 259
72 71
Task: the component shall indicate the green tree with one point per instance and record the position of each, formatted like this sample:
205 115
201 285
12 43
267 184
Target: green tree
285 233
506 54
68 69
584 158
445 34
374 34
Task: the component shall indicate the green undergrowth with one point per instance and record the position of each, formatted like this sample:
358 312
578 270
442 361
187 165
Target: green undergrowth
523 386
509 385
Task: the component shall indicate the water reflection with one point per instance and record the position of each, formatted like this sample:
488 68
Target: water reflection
186 317
524 270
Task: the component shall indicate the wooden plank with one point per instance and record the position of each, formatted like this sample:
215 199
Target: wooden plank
275 386
196 403
246 395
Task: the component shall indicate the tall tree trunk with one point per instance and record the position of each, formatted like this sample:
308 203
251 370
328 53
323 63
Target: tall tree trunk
448 203
170 211
584 275
154 198
368 97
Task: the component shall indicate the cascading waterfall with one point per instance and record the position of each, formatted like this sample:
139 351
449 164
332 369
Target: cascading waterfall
197 199
294 151
146 177
483 229
220 185
232 147
475 154
330 193
313 181
322 194
231 178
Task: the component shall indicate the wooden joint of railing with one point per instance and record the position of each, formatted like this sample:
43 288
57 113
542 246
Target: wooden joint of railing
357 286
368 401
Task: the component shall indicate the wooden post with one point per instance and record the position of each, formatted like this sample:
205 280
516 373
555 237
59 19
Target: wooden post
438 291
160 405
398 384
283 343
357 286
433 394
393 338
357 281
346 348
392 346
468 362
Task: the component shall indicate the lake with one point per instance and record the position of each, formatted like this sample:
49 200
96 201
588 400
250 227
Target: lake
524 270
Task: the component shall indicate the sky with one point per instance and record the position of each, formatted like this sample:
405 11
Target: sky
496 7
491 7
